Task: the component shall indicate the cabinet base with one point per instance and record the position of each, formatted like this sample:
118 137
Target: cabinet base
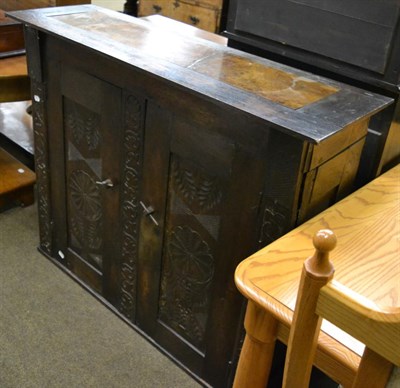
125 320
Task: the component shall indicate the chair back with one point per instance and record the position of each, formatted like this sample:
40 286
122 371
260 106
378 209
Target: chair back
321 297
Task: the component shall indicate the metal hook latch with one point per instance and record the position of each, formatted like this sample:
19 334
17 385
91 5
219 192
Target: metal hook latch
148 211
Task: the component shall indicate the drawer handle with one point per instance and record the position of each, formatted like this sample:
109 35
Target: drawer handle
107 183
194 20
157 8
148 211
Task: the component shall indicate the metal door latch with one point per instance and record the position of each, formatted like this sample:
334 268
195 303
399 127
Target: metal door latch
107 183
148 211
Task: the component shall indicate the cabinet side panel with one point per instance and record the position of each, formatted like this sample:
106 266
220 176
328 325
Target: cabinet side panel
286 159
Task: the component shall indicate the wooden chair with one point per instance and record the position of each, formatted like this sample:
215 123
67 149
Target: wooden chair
320 297
367 225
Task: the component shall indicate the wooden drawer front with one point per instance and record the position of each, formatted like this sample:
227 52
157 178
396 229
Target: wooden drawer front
11 37
330 182
216 4
205 17
326 150
196 15
151 7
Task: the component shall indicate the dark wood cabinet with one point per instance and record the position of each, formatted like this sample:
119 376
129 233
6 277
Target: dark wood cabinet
161 167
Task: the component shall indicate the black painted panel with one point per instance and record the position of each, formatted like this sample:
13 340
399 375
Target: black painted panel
353 32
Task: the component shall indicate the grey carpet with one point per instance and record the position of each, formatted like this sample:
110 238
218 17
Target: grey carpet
54 334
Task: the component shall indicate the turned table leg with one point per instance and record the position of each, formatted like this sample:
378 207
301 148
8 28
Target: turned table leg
258 348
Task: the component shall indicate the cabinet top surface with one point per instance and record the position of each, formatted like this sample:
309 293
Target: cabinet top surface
300 103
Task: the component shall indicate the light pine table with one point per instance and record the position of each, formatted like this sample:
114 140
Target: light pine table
366 259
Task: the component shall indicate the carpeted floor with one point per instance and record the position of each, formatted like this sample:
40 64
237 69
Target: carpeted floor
54 334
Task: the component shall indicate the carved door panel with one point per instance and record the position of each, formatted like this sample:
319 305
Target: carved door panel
193 202
91 162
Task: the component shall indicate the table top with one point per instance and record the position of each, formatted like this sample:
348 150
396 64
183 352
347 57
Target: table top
366 258
291 100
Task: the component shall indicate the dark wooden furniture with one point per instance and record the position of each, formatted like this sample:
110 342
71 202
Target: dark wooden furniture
164 159
14 82
355 41
11 35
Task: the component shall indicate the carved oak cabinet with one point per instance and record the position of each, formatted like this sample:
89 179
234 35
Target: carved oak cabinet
162 161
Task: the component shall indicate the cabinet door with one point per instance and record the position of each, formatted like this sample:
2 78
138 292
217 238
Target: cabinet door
85 115
200 200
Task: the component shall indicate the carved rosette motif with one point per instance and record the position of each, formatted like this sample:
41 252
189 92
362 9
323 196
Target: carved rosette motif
42 165
87 210
187 274
129 204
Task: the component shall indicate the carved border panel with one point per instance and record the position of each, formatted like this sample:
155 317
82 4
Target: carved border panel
130 191
38 90
42 165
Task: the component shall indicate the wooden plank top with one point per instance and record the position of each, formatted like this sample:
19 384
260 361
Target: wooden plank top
304 105
366 258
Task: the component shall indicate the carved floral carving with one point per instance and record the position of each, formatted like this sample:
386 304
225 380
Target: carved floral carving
42 166
129 204
195 187
85 215
85 195
187 273
83 124
273 223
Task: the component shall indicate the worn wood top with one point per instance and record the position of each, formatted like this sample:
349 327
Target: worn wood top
366 258
299 103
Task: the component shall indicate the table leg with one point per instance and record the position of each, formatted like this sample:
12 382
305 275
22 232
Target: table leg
258 348
373 367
